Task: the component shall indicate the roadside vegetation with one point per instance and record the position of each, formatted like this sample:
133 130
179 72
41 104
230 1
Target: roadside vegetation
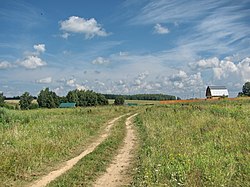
199 144
34 141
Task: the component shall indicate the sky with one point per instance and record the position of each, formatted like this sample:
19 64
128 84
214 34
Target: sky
176 47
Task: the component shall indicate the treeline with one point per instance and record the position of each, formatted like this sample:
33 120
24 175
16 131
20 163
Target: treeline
16 98
49 99
157 97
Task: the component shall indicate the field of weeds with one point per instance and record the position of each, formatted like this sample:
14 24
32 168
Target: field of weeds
199 144
34 141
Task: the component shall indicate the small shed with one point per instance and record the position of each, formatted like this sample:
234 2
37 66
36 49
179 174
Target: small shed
67 105
216 92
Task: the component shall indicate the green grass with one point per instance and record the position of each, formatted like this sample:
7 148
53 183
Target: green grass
194 145
34 141
92 165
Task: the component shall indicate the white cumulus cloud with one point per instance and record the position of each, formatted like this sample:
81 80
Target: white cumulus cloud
244 69
181 75
71 82
80 87
205 63
159 29
32 62
88 27
45 80
5 65
100 61
40 48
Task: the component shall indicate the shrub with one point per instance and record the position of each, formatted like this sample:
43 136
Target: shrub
119 100
25 101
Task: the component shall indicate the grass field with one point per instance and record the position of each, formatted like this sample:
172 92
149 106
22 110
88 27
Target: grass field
199 144
186 144
34 141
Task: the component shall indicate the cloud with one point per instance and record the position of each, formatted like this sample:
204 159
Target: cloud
172 11
244 69
80 87
71 82
100 61
160 29
46 80
225 69
32 62
89 28
59 90
65 35
40 48
185 82
99 83
180 76
5 65
215 27
205 63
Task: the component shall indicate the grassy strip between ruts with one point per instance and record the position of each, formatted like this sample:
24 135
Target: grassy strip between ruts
33 142
194 145
92 165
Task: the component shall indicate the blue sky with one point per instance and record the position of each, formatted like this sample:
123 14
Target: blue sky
173 47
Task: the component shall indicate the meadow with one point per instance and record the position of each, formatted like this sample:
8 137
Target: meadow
34 141
194 144
183 144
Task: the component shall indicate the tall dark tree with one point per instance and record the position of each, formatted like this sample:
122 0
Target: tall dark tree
246 89
1 99
25 101
91 98
72 97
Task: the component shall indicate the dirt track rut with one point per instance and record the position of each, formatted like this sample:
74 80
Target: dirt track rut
70 163
116 172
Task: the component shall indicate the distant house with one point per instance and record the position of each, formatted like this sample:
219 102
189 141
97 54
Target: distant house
216 92
67 105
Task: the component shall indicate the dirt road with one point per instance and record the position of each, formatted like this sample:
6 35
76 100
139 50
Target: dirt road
70 163
115 175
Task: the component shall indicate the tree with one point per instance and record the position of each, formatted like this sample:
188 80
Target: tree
48 99
1 99
119 100
101 100
25 101
86 98
246 89
72 97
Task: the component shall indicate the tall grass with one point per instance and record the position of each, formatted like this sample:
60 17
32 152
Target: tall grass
31 142
194 145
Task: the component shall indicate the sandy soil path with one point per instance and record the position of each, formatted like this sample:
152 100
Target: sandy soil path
70 163
116 172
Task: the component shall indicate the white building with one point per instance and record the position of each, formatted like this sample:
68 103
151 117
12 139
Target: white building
216 92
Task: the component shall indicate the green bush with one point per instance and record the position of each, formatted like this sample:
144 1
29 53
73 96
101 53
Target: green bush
119 100
25 101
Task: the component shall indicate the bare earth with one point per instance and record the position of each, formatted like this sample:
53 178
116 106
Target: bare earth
70 163
115 174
